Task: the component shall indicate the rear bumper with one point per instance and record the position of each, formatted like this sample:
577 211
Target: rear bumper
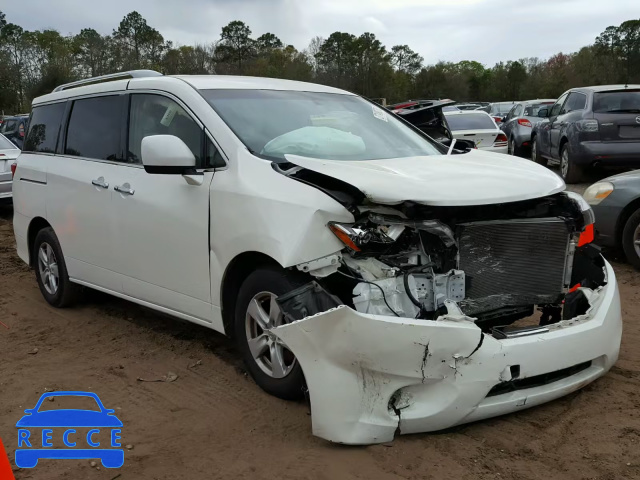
504 149
613 154
522 136
369 375
6 184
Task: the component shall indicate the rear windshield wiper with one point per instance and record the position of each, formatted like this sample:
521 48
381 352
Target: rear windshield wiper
624 110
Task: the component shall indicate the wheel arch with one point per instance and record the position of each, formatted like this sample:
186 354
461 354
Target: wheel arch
563 141
36 224
236 272
624 216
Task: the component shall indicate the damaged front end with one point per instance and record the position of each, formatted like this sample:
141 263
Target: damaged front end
436 316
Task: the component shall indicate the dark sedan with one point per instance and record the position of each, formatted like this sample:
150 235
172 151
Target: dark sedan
616 204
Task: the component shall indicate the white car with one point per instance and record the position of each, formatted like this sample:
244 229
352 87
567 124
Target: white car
8 155
478 127
347 252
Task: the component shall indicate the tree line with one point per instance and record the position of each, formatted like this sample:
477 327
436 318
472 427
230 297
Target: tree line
34 62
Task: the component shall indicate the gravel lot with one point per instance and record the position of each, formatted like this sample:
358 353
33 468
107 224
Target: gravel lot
214 422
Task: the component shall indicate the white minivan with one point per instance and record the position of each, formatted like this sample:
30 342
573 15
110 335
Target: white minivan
407 286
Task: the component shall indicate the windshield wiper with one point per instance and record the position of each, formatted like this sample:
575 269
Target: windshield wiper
624 110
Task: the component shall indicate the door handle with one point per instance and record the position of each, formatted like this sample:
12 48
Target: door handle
125 189
99 182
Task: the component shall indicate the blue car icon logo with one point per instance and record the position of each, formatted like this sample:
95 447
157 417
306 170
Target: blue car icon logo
36 433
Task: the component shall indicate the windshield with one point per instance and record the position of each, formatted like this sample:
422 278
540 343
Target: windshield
626 101
501 108
532 110
470 121
274 123
5 144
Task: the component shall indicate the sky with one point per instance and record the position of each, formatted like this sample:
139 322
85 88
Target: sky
487 31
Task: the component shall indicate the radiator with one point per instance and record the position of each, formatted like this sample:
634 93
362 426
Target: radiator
513 260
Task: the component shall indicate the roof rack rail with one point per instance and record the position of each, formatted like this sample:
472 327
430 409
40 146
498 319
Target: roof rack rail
108 78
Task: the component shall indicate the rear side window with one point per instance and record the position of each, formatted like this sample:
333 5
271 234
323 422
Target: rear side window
626 101
44 128
472 121
576 101
9 126
94 128
159 115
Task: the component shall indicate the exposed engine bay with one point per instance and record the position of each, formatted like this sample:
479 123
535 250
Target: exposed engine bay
494 263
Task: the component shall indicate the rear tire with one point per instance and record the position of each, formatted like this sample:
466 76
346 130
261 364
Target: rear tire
514 149
269 362
569 171
51 270
535 153
631 235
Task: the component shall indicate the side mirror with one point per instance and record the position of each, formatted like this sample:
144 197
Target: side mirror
166 154
504 119
543 112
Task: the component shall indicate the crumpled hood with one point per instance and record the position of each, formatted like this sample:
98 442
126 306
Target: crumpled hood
473 178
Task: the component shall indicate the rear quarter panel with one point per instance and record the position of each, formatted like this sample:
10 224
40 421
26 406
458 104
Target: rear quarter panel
29 196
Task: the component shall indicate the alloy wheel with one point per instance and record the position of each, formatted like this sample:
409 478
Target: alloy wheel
564 163
269 353
48 268
512 147
636 240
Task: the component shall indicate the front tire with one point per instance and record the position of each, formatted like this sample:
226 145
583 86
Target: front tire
535 153
51 270
269 362
569 171
631 239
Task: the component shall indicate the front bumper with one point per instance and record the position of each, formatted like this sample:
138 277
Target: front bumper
612 154
370 375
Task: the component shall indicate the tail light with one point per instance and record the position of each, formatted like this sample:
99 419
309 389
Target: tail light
497 119
13 169
500 141
587 125
524 122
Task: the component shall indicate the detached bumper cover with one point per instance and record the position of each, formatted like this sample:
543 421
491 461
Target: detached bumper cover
372 376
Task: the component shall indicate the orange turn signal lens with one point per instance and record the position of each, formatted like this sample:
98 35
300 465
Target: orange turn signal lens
586 236
341 232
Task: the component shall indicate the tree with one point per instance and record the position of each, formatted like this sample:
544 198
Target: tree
140 43
236 44
405 60
91 50
268 42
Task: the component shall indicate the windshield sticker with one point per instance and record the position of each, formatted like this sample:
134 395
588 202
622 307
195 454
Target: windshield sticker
379 113
167 118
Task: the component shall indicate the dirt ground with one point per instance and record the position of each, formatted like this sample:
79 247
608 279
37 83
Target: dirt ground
214 422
